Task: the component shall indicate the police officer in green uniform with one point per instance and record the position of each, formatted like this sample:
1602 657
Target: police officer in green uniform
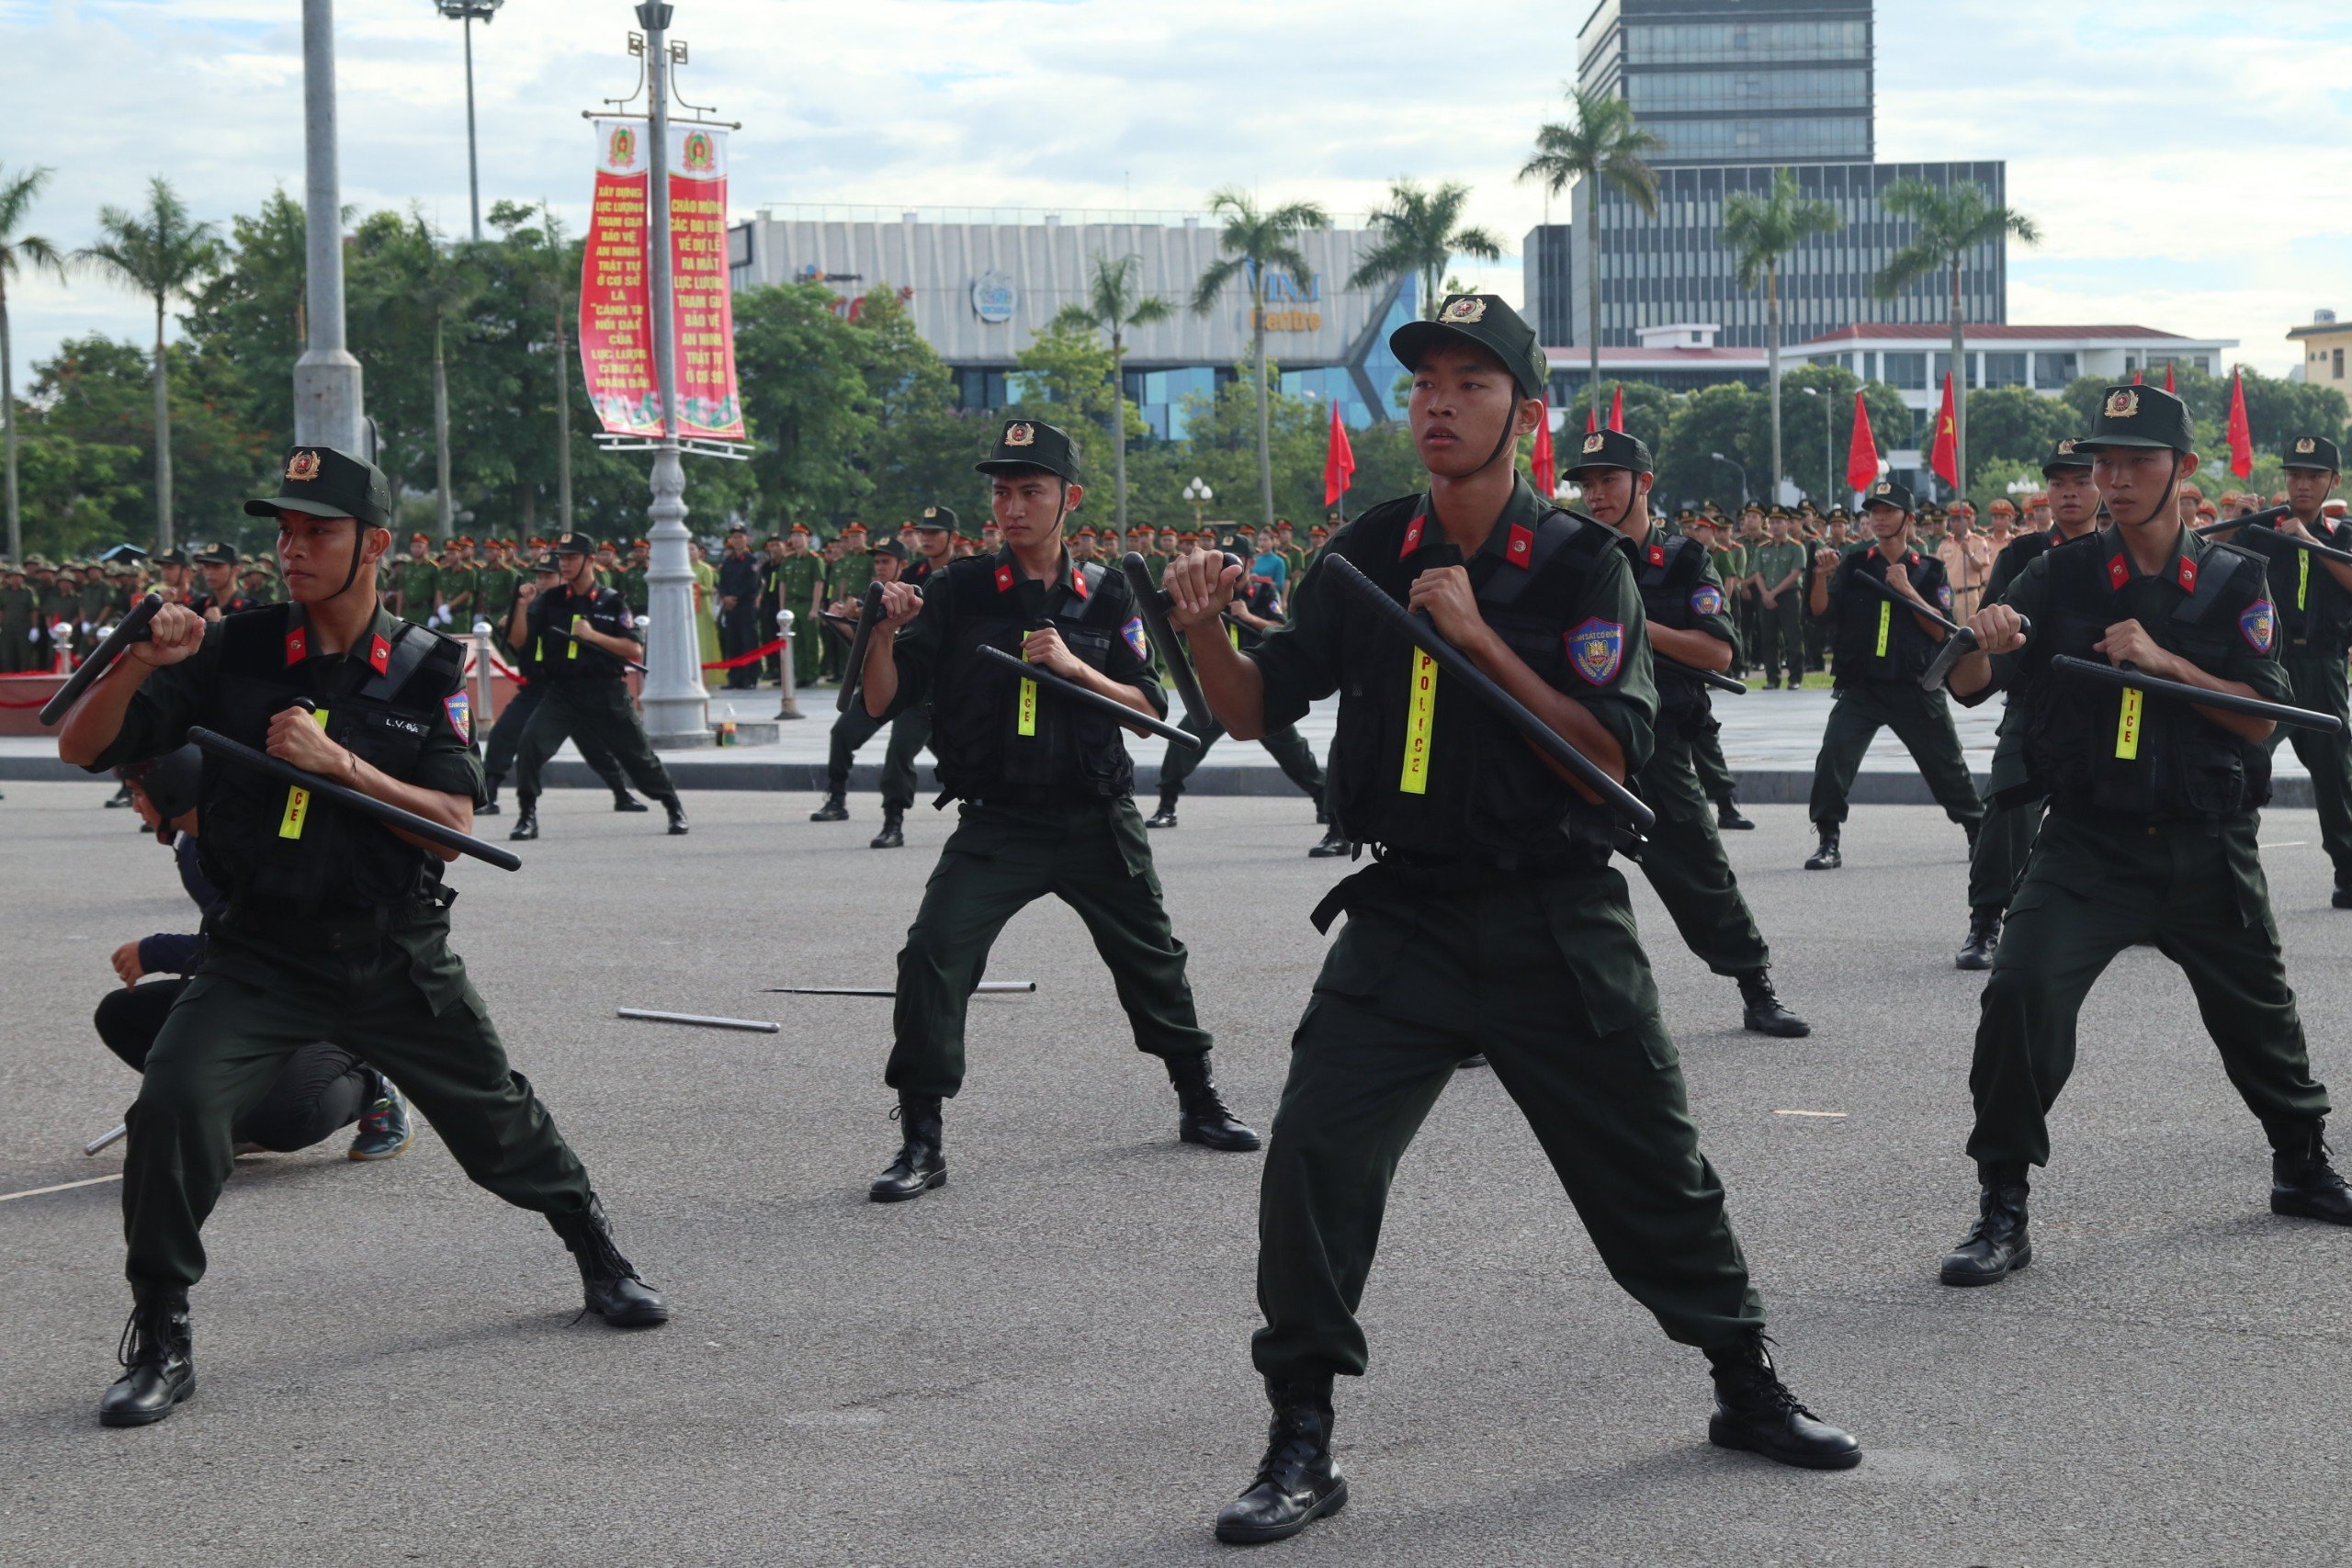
1779 566
578 633
19 624
1491 921
494 586
797 575
418 582
2155 806
1690 627
909 729
1882 651
2012 805
1049 794
336 927
2313 597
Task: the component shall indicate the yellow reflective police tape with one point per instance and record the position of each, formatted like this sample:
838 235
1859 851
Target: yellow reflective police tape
574 652
2126 727
1027 722
1885 621
2303 580
298 801
1419 716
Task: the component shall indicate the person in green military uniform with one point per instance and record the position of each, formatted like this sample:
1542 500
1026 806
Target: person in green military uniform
494 586
798 575
1690 628
2313 596
336 927
1882 652
19 624
456 616
2154 806
2012 804
1048 794
636 592
1778 568
416 585
1490 921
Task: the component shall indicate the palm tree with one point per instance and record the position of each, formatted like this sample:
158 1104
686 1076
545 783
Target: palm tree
163 252
1254 242
1948 222
1600 146
1418 236
1112 304
1762 231
441 289
18 252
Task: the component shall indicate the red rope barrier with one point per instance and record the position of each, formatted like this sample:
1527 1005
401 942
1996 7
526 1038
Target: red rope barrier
742 658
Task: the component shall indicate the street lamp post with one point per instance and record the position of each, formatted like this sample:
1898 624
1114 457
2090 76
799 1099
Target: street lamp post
1199 495
469 12
326 379
1742 471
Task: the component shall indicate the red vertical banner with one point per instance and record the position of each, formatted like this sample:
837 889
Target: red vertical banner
615 334
708 405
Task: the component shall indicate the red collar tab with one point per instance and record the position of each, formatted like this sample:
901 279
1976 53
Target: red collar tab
379 654
1658 555
1521 547
2188 575
1910 558
1078 580
2117 573
1004 579
298 646
1413 535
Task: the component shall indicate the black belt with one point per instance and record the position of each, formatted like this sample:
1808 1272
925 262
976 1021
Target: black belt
333 929
1439 874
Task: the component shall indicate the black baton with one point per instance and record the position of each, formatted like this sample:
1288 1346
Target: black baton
390 816
2312 546
853 672
559 631
1151 604
1457 663
1108 707
1715 678
131 628
2228 702
2261 519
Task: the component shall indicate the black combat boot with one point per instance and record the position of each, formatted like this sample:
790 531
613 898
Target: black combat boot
1297 1482
624 801
2303 1182
1727 817
158 1355
526 818
1825 858
1203 1118
2342 898
1996 1246
1166 816
1983 936
1762 1010
677 811
490 786
1333 844
922 1164
835 809
613 1292
891 837
1755 1410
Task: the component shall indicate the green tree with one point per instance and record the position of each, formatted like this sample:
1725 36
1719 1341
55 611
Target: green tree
247 319
532 244
1420 234
1947 222
2016 424
1810 386
20 254
805 395
1255 242
1726 418
163 253
1602 146
1761 231
922 447
1115 303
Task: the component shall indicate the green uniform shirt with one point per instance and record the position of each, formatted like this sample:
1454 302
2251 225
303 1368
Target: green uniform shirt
796 578
1774 561
1730 563
849 577
419 584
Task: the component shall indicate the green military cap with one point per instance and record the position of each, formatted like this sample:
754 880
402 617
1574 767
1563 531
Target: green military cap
1486 321
1032 443
1611 449
2141 416
2064 456
216 554
935 517
2310 452
1886 493
323 482
575 544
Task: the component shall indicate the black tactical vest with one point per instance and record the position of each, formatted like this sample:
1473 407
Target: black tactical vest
290 854
2314 612
993 740
2091 747
1671 572
1484 797
560 659
1878 639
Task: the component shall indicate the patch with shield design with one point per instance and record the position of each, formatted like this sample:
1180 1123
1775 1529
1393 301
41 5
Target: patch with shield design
461 716
2259 625
1597 649
1707 600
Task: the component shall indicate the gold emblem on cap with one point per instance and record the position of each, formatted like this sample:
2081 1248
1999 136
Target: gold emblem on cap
1464 308
2121 403
1020 433
2306 445
931 512
1594 441
302 465
2066 447
1883 488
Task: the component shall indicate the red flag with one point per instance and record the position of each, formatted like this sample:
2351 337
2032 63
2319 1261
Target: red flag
2136 377
1339 459
1861 450
1944 455
1592 419
2241 434
1617 409
1547 478
2168 386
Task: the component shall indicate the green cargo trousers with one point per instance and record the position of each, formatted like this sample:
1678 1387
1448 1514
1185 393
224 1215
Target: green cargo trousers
1686 866
400 1002
1783 628
2003 844
1094 857
2319 682
910 733
599 708
1716 781
2094 888
1287 746
1921 720
1548 979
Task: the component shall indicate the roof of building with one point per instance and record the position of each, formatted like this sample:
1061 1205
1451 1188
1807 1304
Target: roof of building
2319 329
1664 357
1989 332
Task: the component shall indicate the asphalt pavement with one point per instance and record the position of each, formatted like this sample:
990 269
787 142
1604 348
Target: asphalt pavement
1046 1363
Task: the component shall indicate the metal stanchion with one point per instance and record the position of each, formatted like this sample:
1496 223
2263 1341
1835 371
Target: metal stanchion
483 717
789 707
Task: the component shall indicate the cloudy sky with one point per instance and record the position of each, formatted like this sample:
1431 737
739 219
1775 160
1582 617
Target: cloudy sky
2186 161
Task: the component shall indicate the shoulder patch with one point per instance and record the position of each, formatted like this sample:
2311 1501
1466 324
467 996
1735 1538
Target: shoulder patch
2259 625
1133 632
1707 600
461 716
1597 649
1943 594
